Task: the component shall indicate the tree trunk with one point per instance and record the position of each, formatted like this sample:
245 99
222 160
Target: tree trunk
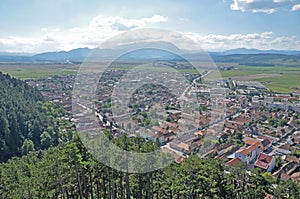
127 186
91 184
79 184
60 179
121 186
98 189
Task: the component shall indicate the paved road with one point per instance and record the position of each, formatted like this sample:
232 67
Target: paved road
182 96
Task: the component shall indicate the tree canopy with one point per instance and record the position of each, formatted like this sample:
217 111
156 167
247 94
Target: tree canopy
27 121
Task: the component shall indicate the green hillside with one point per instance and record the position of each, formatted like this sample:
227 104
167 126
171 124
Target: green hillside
25 122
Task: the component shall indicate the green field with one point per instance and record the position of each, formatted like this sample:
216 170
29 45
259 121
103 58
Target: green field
277 79
32 71
22 71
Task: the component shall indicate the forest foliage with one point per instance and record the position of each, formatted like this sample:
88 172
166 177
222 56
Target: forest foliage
69 171
42 159
27 121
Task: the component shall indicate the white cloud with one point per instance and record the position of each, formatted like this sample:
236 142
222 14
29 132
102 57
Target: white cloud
155 19
29 45
78 37
44 29
120 23
296 7
266 6
264 41
99 29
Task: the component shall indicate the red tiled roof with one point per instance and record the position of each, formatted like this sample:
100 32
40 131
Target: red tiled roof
263 161
233 162
184 146
242 119
244 151
253 146
249 141
171 124
290 158
296 176
237 122
158 129
248 150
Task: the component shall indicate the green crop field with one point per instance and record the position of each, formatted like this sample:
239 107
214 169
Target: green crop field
277 79
22 71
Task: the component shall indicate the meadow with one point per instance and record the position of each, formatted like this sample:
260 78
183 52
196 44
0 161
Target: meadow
33 71
276 78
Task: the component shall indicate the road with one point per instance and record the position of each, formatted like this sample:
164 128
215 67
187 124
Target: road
182 96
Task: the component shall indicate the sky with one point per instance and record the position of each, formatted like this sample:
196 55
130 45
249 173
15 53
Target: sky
35 26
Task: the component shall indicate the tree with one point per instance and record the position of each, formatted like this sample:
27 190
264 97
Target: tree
69 171
283 122
25 114
27 146
46 140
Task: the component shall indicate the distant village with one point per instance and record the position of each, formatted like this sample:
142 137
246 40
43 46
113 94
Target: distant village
234 121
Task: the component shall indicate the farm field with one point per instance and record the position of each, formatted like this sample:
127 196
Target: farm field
278 79
32 71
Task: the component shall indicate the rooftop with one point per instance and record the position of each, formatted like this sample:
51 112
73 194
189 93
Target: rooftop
263 161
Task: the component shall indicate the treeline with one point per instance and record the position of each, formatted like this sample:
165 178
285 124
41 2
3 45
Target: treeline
27 121
69 171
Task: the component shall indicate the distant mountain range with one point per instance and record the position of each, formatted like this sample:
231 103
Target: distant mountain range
243 51
15 54
153 51
75 55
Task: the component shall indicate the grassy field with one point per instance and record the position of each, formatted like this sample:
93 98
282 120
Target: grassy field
22 71
277 79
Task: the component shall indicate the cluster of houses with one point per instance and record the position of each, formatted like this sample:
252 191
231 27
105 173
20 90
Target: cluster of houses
244 124
259 129
57 89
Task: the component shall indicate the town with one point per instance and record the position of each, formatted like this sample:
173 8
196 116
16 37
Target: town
235 121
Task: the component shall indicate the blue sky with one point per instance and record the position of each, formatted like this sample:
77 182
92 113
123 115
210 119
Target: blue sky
47 25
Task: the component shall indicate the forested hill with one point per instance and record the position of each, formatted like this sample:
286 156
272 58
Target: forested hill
23 119
68 171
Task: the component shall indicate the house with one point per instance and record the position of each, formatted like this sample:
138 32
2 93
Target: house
233 162
290 158
159 130
224 148
236 125
250 153
296 177
178 158
296 137
265 141
180 146
286 169
286 149
265 162
249 141
243 100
